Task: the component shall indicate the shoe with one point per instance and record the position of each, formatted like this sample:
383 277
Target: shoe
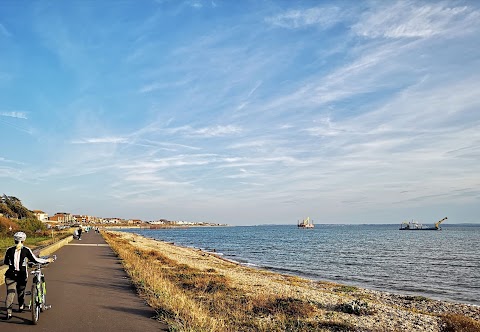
21 308
7 317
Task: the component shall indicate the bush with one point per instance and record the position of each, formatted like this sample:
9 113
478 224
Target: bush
32 226
6 224
459 323
355 307
346 289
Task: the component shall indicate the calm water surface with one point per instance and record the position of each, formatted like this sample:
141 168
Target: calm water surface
437 264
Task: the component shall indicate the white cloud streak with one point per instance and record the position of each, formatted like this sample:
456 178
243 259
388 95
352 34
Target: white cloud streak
412 19
18 115
323 17
101 140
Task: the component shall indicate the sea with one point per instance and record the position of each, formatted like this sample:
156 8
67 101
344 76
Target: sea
443 265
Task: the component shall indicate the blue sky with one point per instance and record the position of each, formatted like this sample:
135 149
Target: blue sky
242 112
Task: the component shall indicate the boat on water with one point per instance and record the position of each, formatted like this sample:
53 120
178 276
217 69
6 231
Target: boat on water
416 226
305 223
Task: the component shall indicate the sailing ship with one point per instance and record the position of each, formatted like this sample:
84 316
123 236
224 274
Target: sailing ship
305 223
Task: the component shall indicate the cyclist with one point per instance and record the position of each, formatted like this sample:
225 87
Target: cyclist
16 276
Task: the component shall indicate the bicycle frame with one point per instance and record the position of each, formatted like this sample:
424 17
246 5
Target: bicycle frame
38 293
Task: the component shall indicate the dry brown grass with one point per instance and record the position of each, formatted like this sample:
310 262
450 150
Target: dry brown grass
191 299
460 323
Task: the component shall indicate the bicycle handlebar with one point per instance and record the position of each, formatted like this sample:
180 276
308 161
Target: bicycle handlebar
32 264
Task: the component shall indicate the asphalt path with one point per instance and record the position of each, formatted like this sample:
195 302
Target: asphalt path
88 290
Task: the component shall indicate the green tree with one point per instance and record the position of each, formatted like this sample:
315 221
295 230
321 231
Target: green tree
14 208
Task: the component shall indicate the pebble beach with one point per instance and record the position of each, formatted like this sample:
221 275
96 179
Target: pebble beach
386 311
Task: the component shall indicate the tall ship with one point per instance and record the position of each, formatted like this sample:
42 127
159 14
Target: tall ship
416 226
305 223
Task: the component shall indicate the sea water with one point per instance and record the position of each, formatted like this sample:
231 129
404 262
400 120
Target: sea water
442 265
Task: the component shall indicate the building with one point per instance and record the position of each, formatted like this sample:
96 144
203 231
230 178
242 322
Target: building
40 215
62 217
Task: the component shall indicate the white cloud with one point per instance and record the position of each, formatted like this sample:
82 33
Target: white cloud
407 19
101 140
214 131
196 4
154 86
217 131
18 115
323 17
5 160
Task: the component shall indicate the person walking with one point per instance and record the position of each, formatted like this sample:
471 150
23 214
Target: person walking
17 275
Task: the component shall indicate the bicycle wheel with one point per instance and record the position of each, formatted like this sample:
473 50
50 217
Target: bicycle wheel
35 305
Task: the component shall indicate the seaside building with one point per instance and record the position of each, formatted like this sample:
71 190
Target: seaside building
83 218
62 217
40 215
134 221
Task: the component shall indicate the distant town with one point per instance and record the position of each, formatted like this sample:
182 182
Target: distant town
11 207
65 218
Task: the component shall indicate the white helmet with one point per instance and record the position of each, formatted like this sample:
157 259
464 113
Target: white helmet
19 236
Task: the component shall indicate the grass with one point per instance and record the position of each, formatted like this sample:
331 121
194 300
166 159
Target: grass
417 298
346 289
193 299
459 323
32 242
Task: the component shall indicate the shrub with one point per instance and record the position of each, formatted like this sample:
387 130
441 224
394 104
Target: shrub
459 323
290 307
346 289
32 226
355 307
6 224
417 298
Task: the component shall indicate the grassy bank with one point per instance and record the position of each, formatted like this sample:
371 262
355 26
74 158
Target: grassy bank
195 291
33 242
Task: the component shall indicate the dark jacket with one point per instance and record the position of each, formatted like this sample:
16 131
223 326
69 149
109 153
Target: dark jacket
26 254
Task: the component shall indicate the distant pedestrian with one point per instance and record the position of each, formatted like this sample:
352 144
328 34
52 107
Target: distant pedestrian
80 232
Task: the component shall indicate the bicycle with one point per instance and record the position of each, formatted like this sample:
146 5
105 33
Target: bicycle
38 293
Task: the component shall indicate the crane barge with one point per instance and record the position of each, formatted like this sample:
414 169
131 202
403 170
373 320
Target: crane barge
415 226
305 223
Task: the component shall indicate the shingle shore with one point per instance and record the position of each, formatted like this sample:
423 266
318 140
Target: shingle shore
391 312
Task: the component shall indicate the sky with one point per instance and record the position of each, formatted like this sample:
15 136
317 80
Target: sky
242 112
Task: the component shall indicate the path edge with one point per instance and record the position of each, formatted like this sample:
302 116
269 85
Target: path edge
43 252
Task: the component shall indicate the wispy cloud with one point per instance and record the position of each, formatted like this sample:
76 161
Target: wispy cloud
323 17
412 19
217 131
18 115
4 31
195 3
213 131
346 106
163 85
5 160
101 140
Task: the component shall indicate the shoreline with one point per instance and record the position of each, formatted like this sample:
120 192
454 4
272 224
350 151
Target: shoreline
281 271
389 311
407 295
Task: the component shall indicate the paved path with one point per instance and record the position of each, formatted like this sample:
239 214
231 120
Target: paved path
89 291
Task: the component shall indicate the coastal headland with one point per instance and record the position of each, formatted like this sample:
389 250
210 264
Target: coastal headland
193 290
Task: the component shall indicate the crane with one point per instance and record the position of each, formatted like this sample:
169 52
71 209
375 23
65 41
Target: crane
437 224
